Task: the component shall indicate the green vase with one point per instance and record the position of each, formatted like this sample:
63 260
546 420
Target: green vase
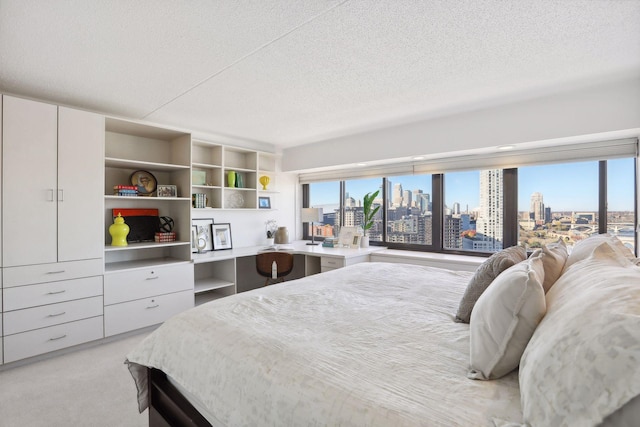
231 178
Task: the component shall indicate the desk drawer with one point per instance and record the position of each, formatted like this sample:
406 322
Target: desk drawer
137 284
41 273
20 297
32 343
127 316
53 314
329 263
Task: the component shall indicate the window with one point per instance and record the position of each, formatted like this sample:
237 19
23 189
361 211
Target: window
325 195
473 213
409 210
557 201
621 200
485 210
354 191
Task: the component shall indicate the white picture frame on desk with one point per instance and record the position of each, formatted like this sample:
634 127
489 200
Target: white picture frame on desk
356 240
345 238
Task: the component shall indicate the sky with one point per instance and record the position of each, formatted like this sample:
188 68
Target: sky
564 187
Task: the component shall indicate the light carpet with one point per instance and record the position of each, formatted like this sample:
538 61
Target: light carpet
88 387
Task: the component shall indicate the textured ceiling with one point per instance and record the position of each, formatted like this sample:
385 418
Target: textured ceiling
289 72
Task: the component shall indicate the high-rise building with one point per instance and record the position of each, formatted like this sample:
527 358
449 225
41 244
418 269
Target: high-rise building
397 195
490 214
537 207
406 198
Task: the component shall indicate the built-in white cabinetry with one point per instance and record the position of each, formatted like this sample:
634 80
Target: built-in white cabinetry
52 178
52 254
147 282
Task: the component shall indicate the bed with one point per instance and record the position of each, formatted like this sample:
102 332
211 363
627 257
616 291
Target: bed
373 344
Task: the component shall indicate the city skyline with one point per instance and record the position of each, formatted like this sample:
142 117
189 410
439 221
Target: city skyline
552 181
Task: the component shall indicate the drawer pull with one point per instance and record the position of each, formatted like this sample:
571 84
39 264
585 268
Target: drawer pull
57 292
57 314
55 272
151 278
153 306
58 338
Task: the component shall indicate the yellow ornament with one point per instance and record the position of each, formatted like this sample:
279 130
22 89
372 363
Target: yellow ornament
264 180
119 231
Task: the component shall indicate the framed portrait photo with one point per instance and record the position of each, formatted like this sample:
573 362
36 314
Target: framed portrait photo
167 190
264 202
221 236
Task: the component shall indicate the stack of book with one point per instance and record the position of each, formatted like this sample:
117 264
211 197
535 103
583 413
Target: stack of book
329 242
125 190
198 200
165 237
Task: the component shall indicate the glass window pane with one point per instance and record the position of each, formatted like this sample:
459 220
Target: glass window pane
354 192
557 200
325 195
620 200
409 210
473 215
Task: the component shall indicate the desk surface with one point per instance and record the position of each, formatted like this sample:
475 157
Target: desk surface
297 247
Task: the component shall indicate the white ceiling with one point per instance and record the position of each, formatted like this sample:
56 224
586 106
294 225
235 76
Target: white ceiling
290 72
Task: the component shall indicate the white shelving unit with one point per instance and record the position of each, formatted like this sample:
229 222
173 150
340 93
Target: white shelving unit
166 154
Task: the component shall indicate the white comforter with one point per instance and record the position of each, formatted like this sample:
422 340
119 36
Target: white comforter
372 344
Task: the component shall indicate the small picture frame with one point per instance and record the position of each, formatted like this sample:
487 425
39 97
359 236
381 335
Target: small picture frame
355 241
167 190
264 202
221 236
345 238
202 235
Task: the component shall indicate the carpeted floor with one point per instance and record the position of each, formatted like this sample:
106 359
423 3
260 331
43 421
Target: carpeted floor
90 387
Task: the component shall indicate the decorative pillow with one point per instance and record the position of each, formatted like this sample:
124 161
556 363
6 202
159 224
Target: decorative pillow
484 275
505 317
581 365
583 248
553 259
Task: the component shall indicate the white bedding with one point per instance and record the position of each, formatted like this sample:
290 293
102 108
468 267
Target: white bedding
374 344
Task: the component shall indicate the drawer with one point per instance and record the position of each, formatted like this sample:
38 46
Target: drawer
20 297
324 269
127 316
40 341
331 262
53 314
356 260
41 273
144 283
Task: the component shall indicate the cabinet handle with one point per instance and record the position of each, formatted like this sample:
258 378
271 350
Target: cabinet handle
151 278
58 338
58 314
60 195
50 198
55 272
57 292
153 306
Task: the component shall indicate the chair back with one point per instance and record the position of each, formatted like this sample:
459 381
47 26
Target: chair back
284 261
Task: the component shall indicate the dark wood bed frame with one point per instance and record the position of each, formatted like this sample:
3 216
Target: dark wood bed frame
168 407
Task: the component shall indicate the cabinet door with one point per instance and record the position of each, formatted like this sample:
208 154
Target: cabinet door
80 185
29 182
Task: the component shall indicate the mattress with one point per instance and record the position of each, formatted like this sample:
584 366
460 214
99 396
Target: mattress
370 344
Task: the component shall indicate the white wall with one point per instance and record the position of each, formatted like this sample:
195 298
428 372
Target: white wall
570 116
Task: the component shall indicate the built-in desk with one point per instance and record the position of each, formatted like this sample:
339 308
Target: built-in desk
222 273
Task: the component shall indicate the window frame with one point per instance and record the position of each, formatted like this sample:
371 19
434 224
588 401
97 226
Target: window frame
510 211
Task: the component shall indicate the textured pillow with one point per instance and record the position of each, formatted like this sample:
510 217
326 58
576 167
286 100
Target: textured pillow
553 259
505 317
484 275
581 365
583 248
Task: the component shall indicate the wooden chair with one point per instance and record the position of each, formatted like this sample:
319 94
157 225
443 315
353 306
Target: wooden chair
284 262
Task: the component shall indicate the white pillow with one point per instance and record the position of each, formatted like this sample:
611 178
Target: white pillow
553 259
583 248
581 365
505 317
